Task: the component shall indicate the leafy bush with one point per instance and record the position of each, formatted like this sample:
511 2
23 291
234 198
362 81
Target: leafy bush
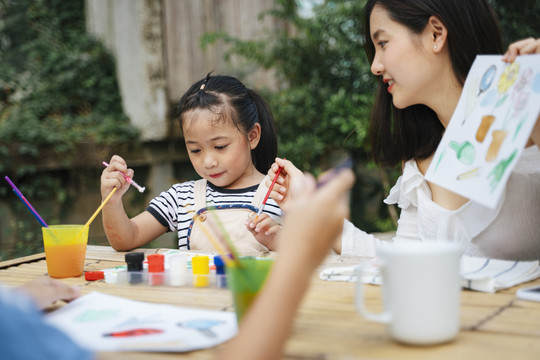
519 19
58 94
58 84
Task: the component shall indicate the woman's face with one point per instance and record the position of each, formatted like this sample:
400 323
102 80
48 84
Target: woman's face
403 59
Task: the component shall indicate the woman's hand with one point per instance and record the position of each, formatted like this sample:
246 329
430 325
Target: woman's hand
315 219
282 193
522 47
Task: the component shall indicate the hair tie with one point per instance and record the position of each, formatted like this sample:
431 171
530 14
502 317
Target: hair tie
205 80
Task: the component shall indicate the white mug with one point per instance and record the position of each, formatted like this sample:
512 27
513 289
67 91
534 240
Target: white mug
421 292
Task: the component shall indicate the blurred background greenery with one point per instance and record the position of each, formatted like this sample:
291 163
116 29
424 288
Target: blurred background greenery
61 108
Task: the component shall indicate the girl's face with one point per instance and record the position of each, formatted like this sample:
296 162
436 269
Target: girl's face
220 152
402 59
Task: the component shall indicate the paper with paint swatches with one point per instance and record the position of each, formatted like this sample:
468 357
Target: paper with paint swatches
103 322
489 129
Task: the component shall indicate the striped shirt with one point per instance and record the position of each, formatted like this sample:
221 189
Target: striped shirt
175 207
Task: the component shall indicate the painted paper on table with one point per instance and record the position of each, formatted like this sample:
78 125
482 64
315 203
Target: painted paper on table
489 129
101 322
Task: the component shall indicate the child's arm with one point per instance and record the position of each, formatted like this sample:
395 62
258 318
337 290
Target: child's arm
265 230
124 233
282 193
45 291
311 225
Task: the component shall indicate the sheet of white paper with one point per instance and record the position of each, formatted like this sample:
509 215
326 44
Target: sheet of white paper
478 274
91 319
492 123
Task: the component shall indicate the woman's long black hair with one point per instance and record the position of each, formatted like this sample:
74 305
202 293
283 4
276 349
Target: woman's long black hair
415 132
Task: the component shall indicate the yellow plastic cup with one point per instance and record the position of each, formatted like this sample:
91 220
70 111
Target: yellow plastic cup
246 281
65 249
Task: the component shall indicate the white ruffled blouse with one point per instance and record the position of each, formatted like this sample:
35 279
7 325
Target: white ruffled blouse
509 231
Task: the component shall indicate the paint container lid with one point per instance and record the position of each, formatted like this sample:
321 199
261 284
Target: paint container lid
94 275
200 264
220 265
177 262
134 261
178 270
111 277
156 263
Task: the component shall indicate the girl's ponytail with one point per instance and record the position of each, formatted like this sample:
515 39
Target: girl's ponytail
264 154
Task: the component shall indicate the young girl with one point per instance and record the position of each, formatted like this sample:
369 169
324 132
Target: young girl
231 141
421 52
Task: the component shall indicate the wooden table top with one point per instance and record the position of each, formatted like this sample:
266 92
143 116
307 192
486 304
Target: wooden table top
327 326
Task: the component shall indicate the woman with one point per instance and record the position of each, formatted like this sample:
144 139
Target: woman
421 52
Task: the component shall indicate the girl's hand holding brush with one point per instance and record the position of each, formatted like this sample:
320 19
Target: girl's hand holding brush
112 177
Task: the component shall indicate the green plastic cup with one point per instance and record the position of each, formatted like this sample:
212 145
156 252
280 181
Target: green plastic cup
245 281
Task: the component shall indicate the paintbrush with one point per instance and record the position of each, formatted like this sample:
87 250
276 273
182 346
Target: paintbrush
228 241
325 178
128 179
215 243
268 193
26 203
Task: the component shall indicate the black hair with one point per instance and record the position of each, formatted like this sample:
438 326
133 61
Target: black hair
415 132
232 101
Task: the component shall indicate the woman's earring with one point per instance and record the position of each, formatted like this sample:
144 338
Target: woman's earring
435 46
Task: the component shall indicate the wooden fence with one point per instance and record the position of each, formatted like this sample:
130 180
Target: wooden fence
157 45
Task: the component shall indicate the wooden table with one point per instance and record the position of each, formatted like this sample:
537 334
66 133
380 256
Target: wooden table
494 326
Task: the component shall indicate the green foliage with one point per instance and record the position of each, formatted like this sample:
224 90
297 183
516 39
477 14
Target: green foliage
58 91
519 19
325 84
59 84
